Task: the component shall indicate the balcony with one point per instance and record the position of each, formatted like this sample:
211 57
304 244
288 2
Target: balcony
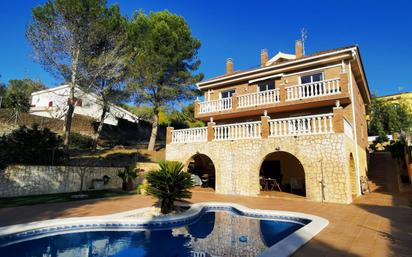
189 135
312 90
285 98
265 128
259 98
216 105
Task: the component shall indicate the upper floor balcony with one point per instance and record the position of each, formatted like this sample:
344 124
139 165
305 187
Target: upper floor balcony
285 98
325 123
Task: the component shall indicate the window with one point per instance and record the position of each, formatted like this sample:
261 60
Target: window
311 78
266 85
227 93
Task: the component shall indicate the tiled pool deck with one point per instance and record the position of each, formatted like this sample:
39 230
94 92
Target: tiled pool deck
378 224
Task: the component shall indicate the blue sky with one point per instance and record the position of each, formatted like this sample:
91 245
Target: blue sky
240 29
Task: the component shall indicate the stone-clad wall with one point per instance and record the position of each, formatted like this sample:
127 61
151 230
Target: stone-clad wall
238 162
35 180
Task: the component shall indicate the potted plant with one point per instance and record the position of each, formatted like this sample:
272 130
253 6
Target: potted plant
128 176
169 183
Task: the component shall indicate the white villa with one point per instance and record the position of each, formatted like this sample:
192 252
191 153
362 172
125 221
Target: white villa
52 103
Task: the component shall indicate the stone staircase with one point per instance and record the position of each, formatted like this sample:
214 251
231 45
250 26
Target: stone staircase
382 172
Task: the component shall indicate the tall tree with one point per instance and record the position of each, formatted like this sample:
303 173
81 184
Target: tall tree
185 118
59 34
162 62
105 66
18 93
3 90
388 118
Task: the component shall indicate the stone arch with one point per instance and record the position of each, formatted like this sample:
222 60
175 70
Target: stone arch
202 165
286 168
352 175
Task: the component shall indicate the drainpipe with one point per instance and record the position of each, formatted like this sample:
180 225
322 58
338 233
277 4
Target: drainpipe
354 129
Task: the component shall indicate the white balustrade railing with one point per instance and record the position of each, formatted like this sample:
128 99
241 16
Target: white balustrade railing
314 89
259 98
304 125
216 105
189 135
234 131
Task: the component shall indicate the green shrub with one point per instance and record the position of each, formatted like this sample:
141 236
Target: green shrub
79 141
35 146
169 183
142 188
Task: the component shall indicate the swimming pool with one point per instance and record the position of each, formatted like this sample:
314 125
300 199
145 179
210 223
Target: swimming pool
210 229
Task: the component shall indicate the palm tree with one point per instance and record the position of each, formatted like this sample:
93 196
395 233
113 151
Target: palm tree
169 183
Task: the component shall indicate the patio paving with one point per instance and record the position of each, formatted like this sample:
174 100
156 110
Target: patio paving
378 224
372 226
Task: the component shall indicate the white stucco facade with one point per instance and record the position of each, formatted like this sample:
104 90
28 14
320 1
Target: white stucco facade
52 103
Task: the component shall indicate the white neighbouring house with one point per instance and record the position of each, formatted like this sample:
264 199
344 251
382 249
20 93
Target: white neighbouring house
52 103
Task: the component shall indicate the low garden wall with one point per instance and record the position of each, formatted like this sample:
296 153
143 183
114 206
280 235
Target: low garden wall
19 180
143 168
81 124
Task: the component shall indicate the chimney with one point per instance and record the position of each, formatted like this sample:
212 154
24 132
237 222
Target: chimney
229 66
298 49
263 57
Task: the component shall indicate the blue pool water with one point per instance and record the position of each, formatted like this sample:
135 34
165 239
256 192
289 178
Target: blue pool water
213 233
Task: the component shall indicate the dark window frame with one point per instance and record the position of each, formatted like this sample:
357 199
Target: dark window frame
229 92
310 75
267 84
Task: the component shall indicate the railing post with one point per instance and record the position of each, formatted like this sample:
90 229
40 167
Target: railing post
282 93
210 131
338 119
169 135
234 102
265 126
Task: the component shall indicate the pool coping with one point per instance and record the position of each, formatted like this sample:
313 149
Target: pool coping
283 248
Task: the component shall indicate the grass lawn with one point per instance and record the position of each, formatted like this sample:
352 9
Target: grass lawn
58 198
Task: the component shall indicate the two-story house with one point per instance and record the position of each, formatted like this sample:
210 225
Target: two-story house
53 103
295 123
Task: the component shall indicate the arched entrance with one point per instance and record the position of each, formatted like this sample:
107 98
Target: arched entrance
352 175
203 170
282 171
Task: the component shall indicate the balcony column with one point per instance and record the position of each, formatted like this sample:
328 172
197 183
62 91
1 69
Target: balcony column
196 106
210 130
265 126
282 93
234 102
337 119
343 82
169 135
